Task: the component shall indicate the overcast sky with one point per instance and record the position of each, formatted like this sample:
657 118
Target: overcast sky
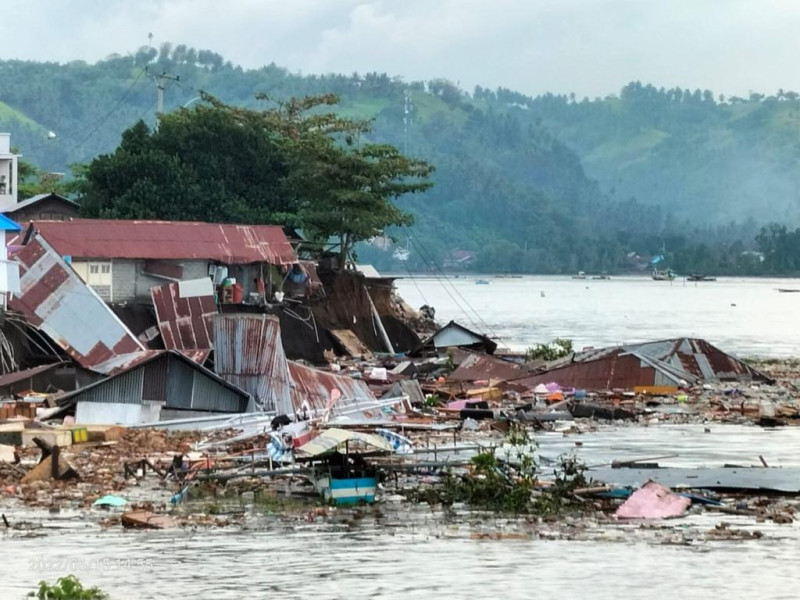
590 47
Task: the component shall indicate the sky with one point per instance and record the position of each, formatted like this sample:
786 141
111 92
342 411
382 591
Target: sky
589 47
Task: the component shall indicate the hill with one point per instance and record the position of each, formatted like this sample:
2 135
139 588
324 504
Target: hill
528 184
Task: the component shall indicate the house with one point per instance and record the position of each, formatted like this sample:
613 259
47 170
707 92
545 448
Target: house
155 385
666 363
454 335
123 260
50 207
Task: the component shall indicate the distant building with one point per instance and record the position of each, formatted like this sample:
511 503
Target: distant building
460 259
43 207
8 173
123 260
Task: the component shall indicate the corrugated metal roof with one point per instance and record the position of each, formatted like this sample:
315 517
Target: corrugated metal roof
168 240
126 385
474 367
56 300
314 387
248 353
184 323
673 361
699 358
38 198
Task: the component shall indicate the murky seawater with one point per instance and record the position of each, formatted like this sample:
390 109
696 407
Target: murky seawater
744 316
392 552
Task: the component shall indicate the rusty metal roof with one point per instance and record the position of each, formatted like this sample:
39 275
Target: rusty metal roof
248 353
664 362
168 240
54 299
184 323
315 386
17 376
475 367
699 358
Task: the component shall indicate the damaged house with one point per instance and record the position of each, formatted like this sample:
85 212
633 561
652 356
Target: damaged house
123 260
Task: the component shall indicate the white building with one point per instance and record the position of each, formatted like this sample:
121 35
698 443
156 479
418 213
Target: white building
8 173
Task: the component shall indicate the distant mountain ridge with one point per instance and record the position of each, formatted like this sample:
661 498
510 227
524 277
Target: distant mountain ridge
511 180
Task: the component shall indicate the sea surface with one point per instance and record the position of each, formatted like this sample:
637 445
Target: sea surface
744 316
389 553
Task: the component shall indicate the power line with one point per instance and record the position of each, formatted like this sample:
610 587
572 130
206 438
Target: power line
420 247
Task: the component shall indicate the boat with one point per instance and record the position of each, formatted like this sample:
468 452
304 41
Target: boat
580 275
601 277
481 282
697 277
788 290
663 275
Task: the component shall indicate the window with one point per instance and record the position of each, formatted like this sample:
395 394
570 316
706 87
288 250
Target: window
94 269
105 269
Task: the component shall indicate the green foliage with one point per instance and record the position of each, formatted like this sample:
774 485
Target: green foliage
285 165
558 348
67 588
508 483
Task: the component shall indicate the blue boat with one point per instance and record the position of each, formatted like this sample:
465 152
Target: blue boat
348 491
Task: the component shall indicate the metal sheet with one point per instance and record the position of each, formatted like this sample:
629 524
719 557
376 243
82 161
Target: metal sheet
168 240
313 387
476 367
56 300
249 354
330 439
754 479
184 323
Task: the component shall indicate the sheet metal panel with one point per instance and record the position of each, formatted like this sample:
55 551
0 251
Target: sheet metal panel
169 240
618 370
249 354
314 387
184 323
208 394
476 367
56 300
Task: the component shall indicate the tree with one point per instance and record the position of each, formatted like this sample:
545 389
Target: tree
290 164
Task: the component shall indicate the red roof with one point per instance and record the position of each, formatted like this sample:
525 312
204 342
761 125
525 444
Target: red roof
168 240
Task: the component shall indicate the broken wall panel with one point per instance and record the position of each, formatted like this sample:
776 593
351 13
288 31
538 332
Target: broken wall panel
249 354
53 298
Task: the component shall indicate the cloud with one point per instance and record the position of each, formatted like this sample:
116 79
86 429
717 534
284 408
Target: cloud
591 47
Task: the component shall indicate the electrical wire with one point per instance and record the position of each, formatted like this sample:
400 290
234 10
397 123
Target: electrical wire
442 277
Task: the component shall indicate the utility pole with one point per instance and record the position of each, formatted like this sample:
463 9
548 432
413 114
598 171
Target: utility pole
159 81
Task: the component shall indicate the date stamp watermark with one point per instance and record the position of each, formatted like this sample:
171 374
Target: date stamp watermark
73 564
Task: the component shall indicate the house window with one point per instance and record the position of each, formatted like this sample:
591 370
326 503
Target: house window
105 269
94 269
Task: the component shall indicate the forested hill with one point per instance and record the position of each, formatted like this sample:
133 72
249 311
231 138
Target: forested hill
510 179
707 158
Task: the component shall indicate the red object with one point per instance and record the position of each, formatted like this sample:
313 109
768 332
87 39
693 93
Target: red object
168 240
238 293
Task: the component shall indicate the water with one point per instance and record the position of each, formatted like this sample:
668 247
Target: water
394 553
747 317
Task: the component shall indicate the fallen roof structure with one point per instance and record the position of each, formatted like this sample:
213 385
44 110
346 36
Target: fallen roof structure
314 388
477 367
454 335
168 240
677 362
55 300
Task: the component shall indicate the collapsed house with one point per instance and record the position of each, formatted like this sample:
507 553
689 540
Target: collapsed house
667 363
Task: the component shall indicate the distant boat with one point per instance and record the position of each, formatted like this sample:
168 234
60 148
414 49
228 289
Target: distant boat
602 277
482 282
665 275
697 277
580 275
789 290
